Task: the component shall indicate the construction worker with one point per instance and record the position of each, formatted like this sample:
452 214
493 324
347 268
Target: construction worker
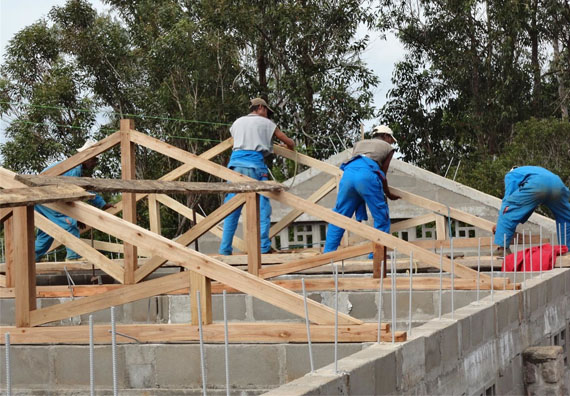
526 187
252 135
43 240
364 183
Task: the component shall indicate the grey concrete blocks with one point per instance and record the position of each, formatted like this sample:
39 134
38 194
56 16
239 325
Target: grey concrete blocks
140 366
7 311
264 311
235 307
30 366
178 366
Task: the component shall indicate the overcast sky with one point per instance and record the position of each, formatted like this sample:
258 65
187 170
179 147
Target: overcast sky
381 55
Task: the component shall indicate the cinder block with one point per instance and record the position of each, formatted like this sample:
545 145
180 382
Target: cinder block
265 311
7 312
449 345
411 362
386 374
251 365
508 312
104 315
482 326
361 374
179 309
71 365
178 366
364 305
297 361
142 311
140 367
235 307
29 366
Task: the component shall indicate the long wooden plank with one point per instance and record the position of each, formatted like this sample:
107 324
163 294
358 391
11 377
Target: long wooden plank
200 263
112 247
128 172
328 215
86 251
79 158
109 299
9 252
413 222
146 186
213 333
306 160
24 268
28 196
294 214
316 261
189 214
195 232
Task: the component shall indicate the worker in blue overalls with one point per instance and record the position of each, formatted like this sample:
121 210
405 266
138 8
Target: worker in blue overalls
43 240
253 135
364 183
526 187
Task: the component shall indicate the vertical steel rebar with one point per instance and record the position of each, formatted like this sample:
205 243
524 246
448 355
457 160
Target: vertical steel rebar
114 351
440 281
524 262
492 272
540 273
91 358
505 260
202 353
552 246
226 343
8 364
380 295
516 262
560 242
411 288
452 281
393 273
335 318
478 267
308 326
530 248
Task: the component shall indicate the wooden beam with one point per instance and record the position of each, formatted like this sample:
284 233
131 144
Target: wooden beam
378 260
129 200
213 333
413 222
306 160
112 247
316 261
252 233
328 215
109 299
195 232
9 251
154 214
204 286
189 214
148 186
79 158
294 214
440 228
29 196
24 274
200 263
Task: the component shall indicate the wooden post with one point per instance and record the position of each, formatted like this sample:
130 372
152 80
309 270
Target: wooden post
379 256
154 214
129 199
252 233
440 227
204 285
25 264
9 250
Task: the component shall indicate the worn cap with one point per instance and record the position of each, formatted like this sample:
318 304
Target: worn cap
88 143
383 129
260 101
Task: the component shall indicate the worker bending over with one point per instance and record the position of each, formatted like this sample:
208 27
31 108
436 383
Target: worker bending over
364 183
526 187
252 135
43 240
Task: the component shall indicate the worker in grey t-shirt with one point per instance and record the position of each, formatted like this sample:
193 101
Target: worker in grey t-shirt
253 136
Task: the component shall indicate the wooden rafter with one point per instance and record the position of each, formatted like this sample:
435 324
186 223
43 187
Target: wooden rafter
28 196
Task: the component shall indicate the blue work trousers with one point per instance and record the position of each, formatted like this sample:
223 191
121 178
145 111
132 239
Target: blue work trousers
359 184
231 221
544 189
44 241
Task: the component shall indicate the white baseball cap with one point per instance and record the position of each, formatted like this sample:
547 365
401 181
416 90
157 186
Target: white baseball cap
383 129
88 143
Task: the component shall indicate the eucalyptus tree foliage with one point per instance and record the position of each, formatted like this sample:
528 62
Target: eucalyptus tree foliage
473 69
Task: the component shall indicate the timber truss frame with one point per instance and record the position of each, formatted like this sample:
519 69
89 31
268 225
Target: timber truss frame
204 273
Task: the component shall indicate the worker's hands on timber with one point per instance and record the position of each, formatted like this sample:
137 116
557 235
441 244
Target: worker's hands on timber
108 206
494 229
81 225
393 197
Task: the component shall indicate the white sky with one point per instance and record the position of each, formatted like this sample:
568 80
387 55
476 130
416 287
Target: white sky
381 55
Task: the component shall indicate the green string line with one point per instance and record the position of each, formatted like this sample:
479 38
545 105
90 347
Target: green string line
115 113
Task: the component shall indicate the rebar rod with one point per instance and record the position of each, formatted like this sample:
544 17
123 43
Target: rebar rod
202 354
308 326
91 358
114 351
380 295
505 260
393 273
8 364
540 273
411 288
478 267
516 263
335 318
452 281
440 281
226 343
492 272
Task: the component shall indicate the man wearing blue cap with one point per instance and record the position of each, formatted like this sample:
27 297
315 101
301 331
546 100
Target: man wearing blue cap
526 187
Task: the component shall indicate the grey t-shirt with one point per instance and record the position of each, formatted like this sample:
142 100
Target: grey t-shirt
376 149
253 132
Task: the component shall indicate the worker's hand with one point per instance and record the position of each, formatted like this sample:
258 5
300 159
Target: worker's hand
81 225
494 229
393 197
108 206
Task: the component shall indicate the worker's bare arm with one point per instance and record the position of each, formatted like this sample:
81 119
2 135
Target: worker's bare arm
290 143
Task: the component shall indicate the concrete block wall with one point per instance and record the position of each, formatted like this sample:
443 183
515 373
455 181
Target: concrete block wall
478 348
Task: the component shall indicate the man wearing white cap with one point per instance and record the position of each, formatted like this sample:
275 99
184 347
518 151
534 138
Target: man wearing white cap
253 135
364 183
43 240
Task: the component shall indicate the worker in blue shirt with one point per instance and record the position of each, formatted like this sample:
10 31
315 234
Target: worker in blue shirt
526 187
43 240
